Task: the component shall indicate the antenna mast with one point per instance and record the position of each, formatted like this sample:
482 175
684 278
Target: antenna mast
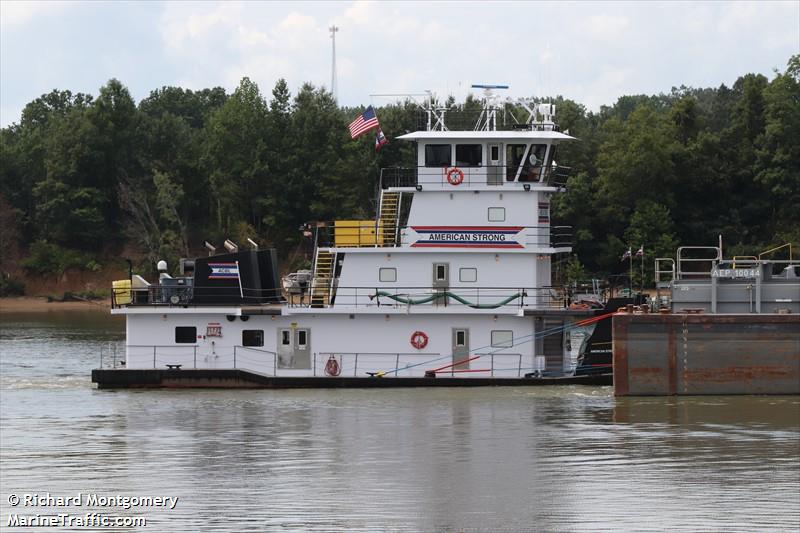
333 30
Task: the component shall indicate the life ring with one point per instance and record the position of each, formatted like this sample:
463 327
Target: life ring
419 340
332 367
455 176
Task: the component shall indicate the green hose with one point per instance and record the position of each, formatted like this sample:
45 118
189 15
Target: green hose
448 294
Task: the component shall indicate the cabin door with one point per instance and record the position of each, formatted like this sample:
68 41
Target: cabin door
294 348
460 347
494 170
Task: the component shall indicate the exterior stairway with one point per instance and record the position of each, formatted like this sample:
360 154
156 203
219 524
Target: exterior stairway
323 278
389 218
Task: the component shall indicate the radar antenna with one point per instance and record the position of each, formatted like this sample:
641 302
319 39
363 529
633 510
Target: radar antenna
487 121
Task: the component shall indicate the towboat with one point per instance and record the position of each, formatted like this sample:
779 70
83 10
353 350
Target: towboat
449 284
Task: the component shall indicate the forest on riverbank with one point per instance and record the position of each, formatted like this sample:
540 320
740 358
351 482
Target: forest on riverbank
88 180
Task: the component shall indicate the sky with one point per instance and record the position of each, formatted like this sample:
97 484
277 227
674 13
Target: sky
591 52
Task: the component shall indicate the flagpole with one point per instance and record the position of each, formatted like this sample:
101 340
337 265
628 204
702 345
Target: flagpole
630 276
642 249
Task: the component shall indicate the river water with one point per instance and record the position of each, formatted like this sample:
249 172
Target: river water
491 459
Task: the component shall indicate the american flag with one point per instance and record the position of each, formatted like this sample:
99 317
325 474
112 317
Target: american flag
363 123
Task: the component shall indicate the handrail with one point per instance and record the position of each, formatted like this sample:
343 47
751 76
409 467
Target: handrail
548 296
477 297
397 369
474 176
680 260
492 367
771 250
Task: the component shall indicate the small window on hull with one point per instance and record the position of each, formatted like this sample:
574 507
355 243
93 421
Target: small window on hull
497 214
387 275
286 337
502 338
302 339
468 275
253 337
185 334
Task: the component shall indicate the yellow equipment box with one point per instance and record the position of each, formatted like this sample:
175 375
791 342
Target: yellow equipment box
355 233
122 291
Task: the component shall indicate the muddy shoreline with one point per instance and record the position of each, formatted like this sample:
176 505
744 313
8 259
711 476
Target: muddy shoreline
32 304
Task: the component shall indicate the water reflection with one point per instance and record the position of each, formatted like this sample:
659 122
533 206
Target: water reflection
514 459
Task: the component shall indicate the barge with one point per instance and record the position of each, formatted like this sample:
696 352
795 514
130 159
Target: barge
726 326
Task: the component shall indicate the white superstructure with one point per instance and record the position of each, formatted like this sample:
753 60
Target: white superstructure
453 275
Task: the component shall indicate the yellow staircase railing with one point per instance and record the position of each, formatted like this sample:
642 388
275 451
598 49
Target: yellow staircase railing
389 217
323 278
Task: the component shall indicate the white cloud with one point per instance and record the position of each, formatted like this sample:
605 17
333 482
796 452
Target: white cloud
605 26
15 12
592 52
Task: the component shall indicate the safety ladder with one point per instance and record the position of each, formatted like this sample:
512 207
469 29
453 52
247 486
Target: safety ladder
324 261
389 218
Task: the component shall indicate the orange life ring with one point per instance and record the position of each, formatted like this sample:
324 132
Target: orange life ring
419 340
455 176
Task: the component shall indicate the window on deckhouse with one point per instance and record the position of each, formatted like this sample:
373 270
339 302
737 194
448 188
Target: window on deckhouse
469 155
514 155
438 155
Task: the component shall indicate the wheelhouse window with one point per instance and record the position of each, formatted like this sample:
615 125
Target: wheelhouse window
502 338
253 337
468 275
387 275
497 214
532 167
469 155
185 334
514 155
438 155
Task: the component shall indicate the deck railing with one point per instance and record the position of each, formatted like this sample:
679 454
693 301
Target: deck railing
157 295
193 356
486 298
385 296
455 177
347 364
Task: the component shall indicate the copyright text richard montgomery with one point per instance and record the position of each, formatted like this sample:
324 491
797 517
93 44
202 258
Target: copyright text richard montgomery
91 499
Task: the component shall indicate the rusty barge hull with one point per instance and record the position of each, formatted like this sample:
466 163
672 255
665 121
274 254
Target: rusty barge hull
686 354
